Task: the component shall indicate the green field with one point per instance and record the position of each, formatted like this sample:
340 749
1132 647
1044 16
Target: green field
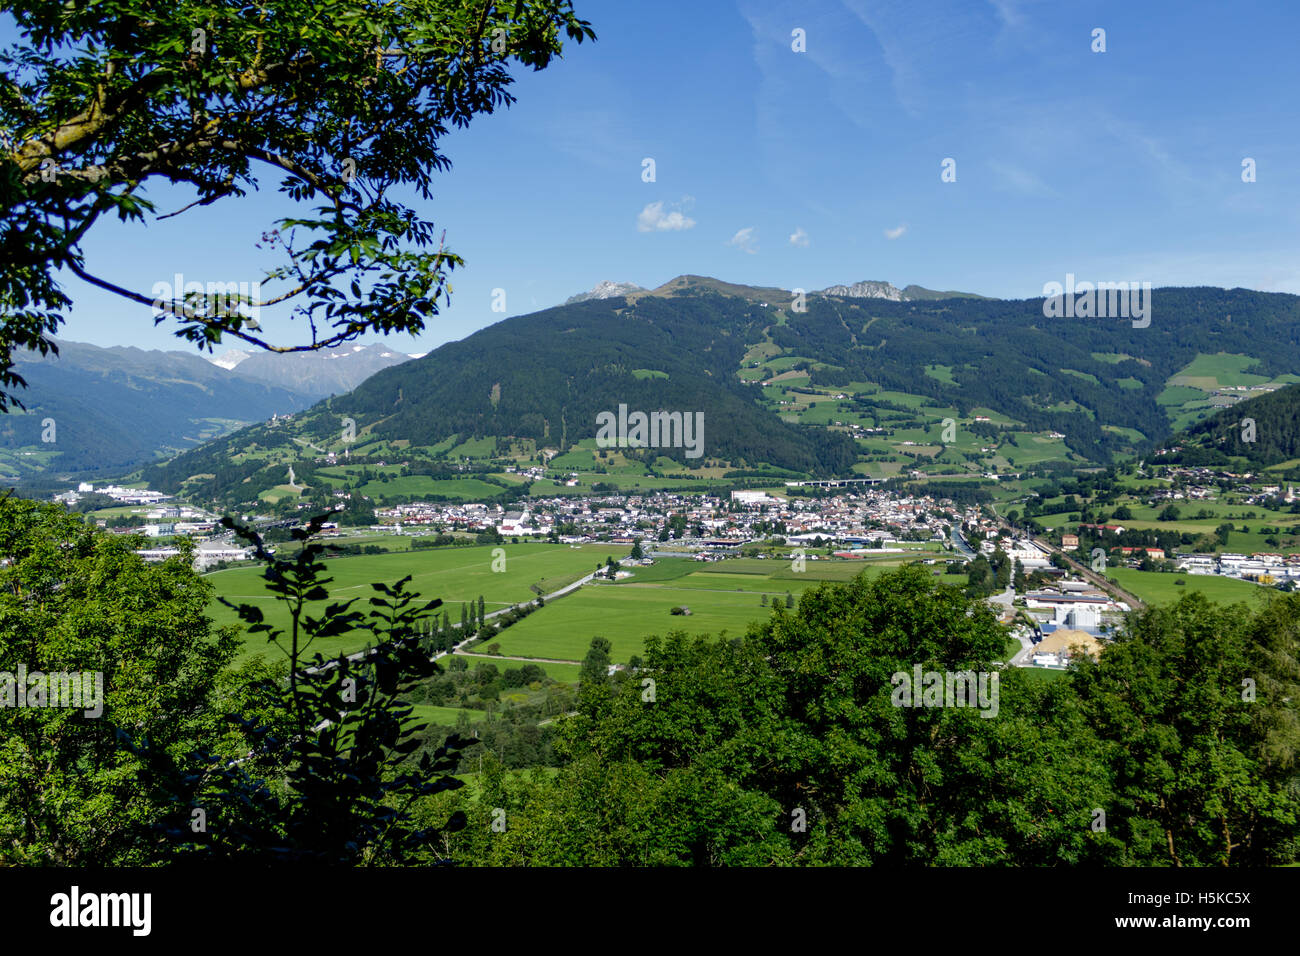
1218 370
449 489
1283 525
1178 395
722 596
563 630
454 574
942 372
445 715
1156 587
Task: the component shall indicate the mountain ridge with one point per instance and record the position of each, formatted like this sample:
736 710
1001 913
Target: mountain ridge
864 289
799 392
1264 430
118 407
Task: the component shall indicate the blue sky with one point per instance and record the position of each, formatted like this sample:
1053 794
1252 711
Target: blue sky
775 167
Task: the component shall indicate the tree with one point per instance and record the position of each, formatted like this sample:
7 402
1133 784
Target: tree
789 599
637 552
1205 543
76 600
348 99
1196 705
1169 513
763 600
593 676
344 783
1002 564
482 618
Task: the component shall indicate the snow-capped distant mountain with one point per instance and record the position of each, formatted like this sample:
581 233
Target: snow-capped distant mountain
230 358
99 396
120 407
605 290
321 373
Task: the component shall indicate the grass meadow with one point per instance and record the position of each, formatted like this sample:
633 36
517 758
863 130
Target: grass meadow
454 574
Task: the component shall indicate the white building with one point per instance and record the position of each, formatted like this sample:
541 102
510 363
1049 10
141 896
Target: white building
205 557
1078 617
1028 554
515 523
158 554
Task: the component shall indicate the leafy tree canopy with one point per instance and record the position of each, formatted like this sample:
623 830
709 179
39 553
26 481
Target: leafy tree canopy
345 99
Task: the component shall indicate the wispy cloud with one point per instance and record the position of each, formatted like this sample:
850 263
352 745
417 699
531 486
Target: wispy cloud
1020 180
896 232
744 240
901 45
799 237
653 218
1009 12
594 136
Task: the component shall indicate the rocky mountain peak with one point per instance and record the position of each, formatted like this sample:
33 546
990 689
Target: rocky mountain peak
867 289
605 290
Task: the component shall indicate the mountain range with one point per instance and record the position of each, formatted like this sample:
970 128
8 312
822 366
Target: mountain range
866 289
849 384
93 410
315 374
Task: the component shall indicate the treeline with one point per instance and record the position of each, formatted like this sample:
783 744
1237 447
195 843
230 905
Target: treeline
962 493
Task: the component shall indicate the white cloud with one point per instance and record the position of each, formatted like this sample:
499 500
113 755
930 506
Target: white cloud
653 218
744 240
799 237
895 233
